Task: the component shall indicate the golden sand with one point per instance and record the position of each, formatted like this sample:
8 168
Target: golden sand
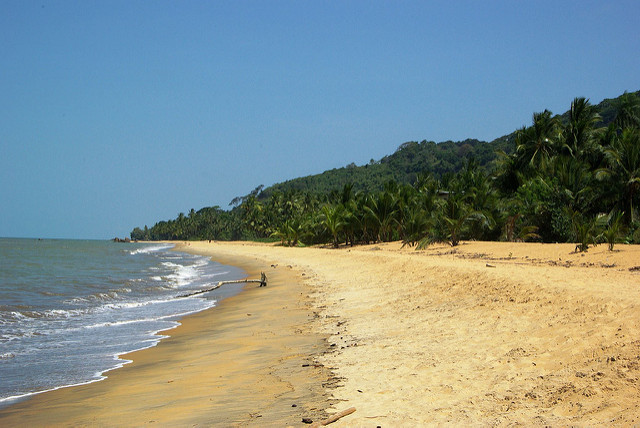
247 361
481 334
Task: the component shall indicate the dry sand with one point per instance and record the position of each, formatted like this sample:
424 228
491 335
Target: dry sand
481 334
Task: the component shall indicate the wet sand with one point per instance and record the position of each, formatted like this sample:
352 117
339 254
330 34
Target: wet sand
238 364
482 334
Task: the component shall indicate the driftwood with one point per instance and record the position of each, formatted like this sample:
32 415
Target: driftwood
262 281
334 418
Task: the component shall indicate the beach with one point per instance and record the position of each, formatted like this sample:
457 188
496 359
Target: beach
245 362
479 334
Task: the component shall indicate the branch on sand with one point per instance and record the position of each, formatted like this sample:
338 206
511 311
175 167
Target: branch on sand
262 281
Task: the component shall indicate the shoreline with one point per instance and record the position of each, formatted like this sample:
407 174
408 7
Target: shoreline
490 333
119 358
224 365
485 333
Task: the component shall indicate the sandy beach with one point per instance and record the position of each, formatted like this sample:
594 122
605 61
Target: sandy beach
482 334
246 362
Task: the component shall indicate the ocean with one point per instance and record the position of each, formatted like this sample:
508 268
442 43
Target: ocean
70 308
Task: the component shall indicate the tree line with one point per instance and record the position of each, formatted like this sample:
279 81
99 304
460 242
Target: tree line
563 179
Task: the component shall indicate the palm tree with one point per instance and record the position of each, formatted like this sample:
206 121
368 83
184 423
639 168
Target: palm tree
613 227
483 198
333 221
507 172
253 217
628 111
623 168
289 231
515 232
579 134
575 181
584 229
415 224
458 213
382 211
351 221
347 193
536 144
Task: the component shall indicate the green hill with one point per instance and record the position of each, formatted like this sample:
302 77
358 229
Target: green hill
412 158
409 160
573 178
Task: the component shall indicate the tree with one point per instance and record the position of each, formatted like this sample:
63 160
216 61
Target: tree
544 175
579 133
537 144
612 225
382 211
574 181
290 231
627 111
584 229
137 234
333 221
455 215
623 168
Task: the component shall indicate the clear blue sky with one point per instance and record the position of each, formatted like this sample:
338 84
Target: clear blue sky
115 114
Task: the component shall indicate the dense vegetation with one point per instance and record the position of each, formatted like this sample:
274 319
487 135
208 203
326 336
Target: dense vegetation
413 158
403 166
568 178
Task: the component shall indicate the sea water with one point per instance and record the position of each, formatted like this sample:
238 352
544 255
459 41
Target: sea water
69 309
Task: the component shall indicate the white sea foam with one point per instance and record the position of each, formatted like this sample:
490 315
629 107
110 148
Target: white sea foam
182 275
151 249
62 313
83 318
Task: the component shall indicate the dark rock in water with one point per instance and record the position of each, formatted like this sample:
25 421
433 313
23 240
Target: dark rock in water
126 240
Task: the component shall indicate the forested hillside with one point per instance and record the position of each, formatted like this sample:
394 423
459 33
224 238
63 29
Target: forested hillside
403 166
412 158
573 177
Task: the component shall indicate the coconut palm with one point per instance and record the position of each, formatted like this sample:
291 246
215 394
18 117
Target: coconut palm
289 232
623 168
352 221
612 228
579 134
415 224
382 211
515 232
628 111
584 229
574 179
333 221
456 214
508 173
537 143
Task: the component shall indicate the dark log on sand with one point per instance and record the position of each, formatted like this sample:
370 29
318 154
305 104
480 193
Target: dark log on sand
334 418
262 281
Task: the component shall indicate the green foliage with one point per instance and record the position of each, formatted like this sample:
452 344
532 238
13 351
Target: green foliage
289 232
548 182
584 229
333 221
536 145
622 169
612 228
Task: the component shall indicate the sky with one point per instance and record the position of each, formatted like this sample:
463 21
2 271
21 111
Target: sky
116 114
